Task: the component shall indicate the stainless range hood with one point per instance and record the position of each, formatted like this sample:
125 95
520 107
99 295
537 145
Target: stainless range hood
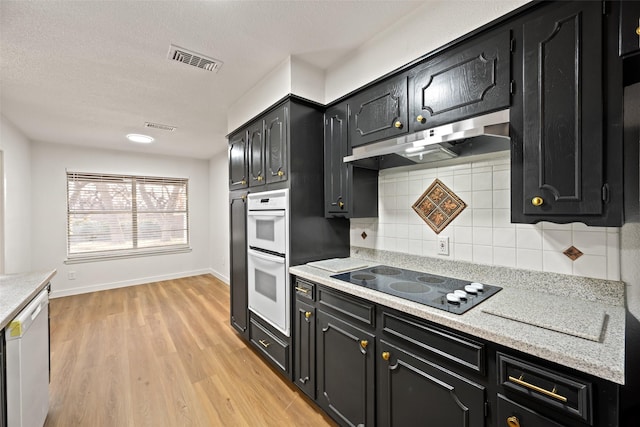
478 135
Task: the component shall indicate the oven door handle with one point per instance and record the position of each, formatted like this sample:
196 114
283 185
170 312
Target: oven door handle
266 257
267 213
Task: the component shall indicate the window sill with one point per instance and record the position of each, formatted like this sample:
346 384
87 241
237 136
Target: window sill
80 259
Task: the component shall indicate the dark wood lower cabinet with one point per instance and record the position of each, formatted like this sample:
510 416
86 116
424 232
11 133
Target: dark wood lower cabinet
346 371
305 349
415 391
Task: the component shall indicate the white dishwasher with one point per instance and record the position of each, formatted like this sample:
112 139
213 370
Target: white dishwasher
27 352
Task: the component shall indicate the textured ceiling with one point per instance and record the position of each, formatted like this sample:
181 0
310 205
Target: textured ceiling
89 72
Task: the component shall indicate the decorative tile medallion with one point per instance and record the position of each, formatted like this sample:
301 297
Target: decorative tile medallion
363 235
573 253
438 206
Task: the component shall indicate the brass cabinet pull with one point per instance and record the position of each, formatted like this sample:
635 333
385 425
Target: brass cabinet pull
260 178
280 173
243 182
264 343
386 355
341 205
307 314
513 421
364 344
525 384
420 119
537 201
303 290
398 124
638 31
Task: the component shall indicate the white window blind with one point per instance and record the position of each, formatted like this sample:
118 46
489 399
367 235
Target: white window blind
119 215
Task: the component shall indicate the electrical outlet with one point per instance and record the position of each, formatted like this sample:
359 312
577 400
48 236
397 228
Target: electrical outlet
71 275
443 245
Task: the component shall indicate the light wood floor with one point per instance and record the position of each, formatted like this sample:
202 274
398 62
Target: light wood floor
163 354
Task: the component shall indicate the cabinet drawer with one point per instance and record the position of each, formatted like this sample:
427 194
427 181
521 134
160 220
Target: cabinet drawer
568 395
359 310
448 345
511 413
273 348
305 290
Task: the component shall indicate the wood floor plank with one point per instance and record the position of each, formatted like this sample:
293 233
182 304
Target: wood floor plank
163 354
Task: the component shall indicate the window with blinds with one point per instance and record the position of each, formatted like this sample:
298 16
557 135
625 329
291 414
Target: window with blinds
120 215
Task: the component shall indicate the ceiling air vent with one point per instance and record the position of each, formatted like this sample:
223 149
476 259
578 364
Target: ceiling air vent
177 53
159 126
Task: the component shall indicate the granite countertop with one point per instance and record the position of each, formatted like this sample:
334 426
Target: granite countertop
17 290
603 358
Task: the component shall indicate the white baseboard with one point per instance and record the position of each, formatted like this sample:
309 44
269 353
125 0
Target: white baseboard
133 282
220 276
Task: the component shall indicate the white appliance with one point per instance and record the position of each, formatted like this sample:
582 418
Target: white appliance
27 352
268 257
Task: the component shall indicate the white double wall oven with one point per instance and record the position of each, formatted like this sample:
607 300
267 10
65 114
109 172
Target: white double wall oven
268 257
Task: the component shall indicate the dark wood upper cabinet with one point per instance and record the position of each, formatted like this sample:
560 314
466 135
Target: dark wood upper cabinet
469 80
629 27
238 160
562 116
379 112
276 131
255 138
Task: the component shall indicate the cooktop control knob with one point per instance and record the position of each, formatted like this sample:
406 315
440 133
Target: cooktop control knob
478 286
453 298
471 289
462 294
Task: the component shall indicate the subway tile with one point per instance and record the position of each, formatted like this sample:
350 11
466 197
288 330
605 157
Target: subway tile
501 179
464 252
415 189
482 236
528 239
461 183
402 231
482 181
402 187
388 188
556 262
390 244
463 235
504 256
465 196
578 226
556 240
502 218
402 245
429 248
554 226
415 247
613 256
504 237
464 219
415 231
529 259
482 218
594 266
482 254
590 242
402 202
428 235
501 199
446 180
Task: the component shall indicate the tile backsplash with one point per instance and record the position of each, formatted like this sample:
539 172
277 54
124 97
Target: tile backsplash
483 233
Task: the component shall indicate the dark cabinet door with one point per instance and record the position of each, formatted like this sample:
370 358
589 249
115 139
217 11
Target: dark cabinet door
379 112
238 160
276 135
412 388
462 83
562 114
238 252
255 144
305 348
337 173
345 371
629 27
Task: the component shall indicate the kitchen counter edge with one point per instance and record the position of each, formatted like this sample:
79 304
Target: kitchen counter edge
17 290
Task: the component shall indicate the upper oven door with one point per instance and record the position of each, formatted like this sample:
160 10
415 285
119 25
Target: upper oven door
267 230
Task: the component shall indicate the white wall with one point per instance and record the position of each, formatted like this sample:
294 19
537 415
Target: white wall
483 232
219 216
16 150
427 28
630 265
49 163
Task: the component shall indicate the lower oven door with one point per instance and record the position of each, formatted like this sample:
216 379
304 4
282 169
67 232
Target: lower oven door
269 289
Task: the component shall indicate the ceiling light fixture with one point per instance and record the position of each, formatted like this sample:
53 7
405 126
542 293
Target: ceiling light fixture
142 139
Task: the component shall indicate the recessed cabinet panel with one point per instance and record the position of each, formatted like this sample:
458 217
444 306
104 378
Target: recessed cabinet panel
629 27
562 111
238 161
238 251
275 129
305 348
337 173
412 389
378 112
255 135
346 371
462 83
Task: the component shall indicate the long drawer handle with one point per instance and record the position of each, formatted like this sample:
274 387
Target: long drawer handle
525 384
264 343
303 290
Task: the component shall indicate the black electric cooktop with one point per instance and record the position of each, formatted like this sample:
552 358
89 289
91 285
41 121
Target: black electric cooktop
452 295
